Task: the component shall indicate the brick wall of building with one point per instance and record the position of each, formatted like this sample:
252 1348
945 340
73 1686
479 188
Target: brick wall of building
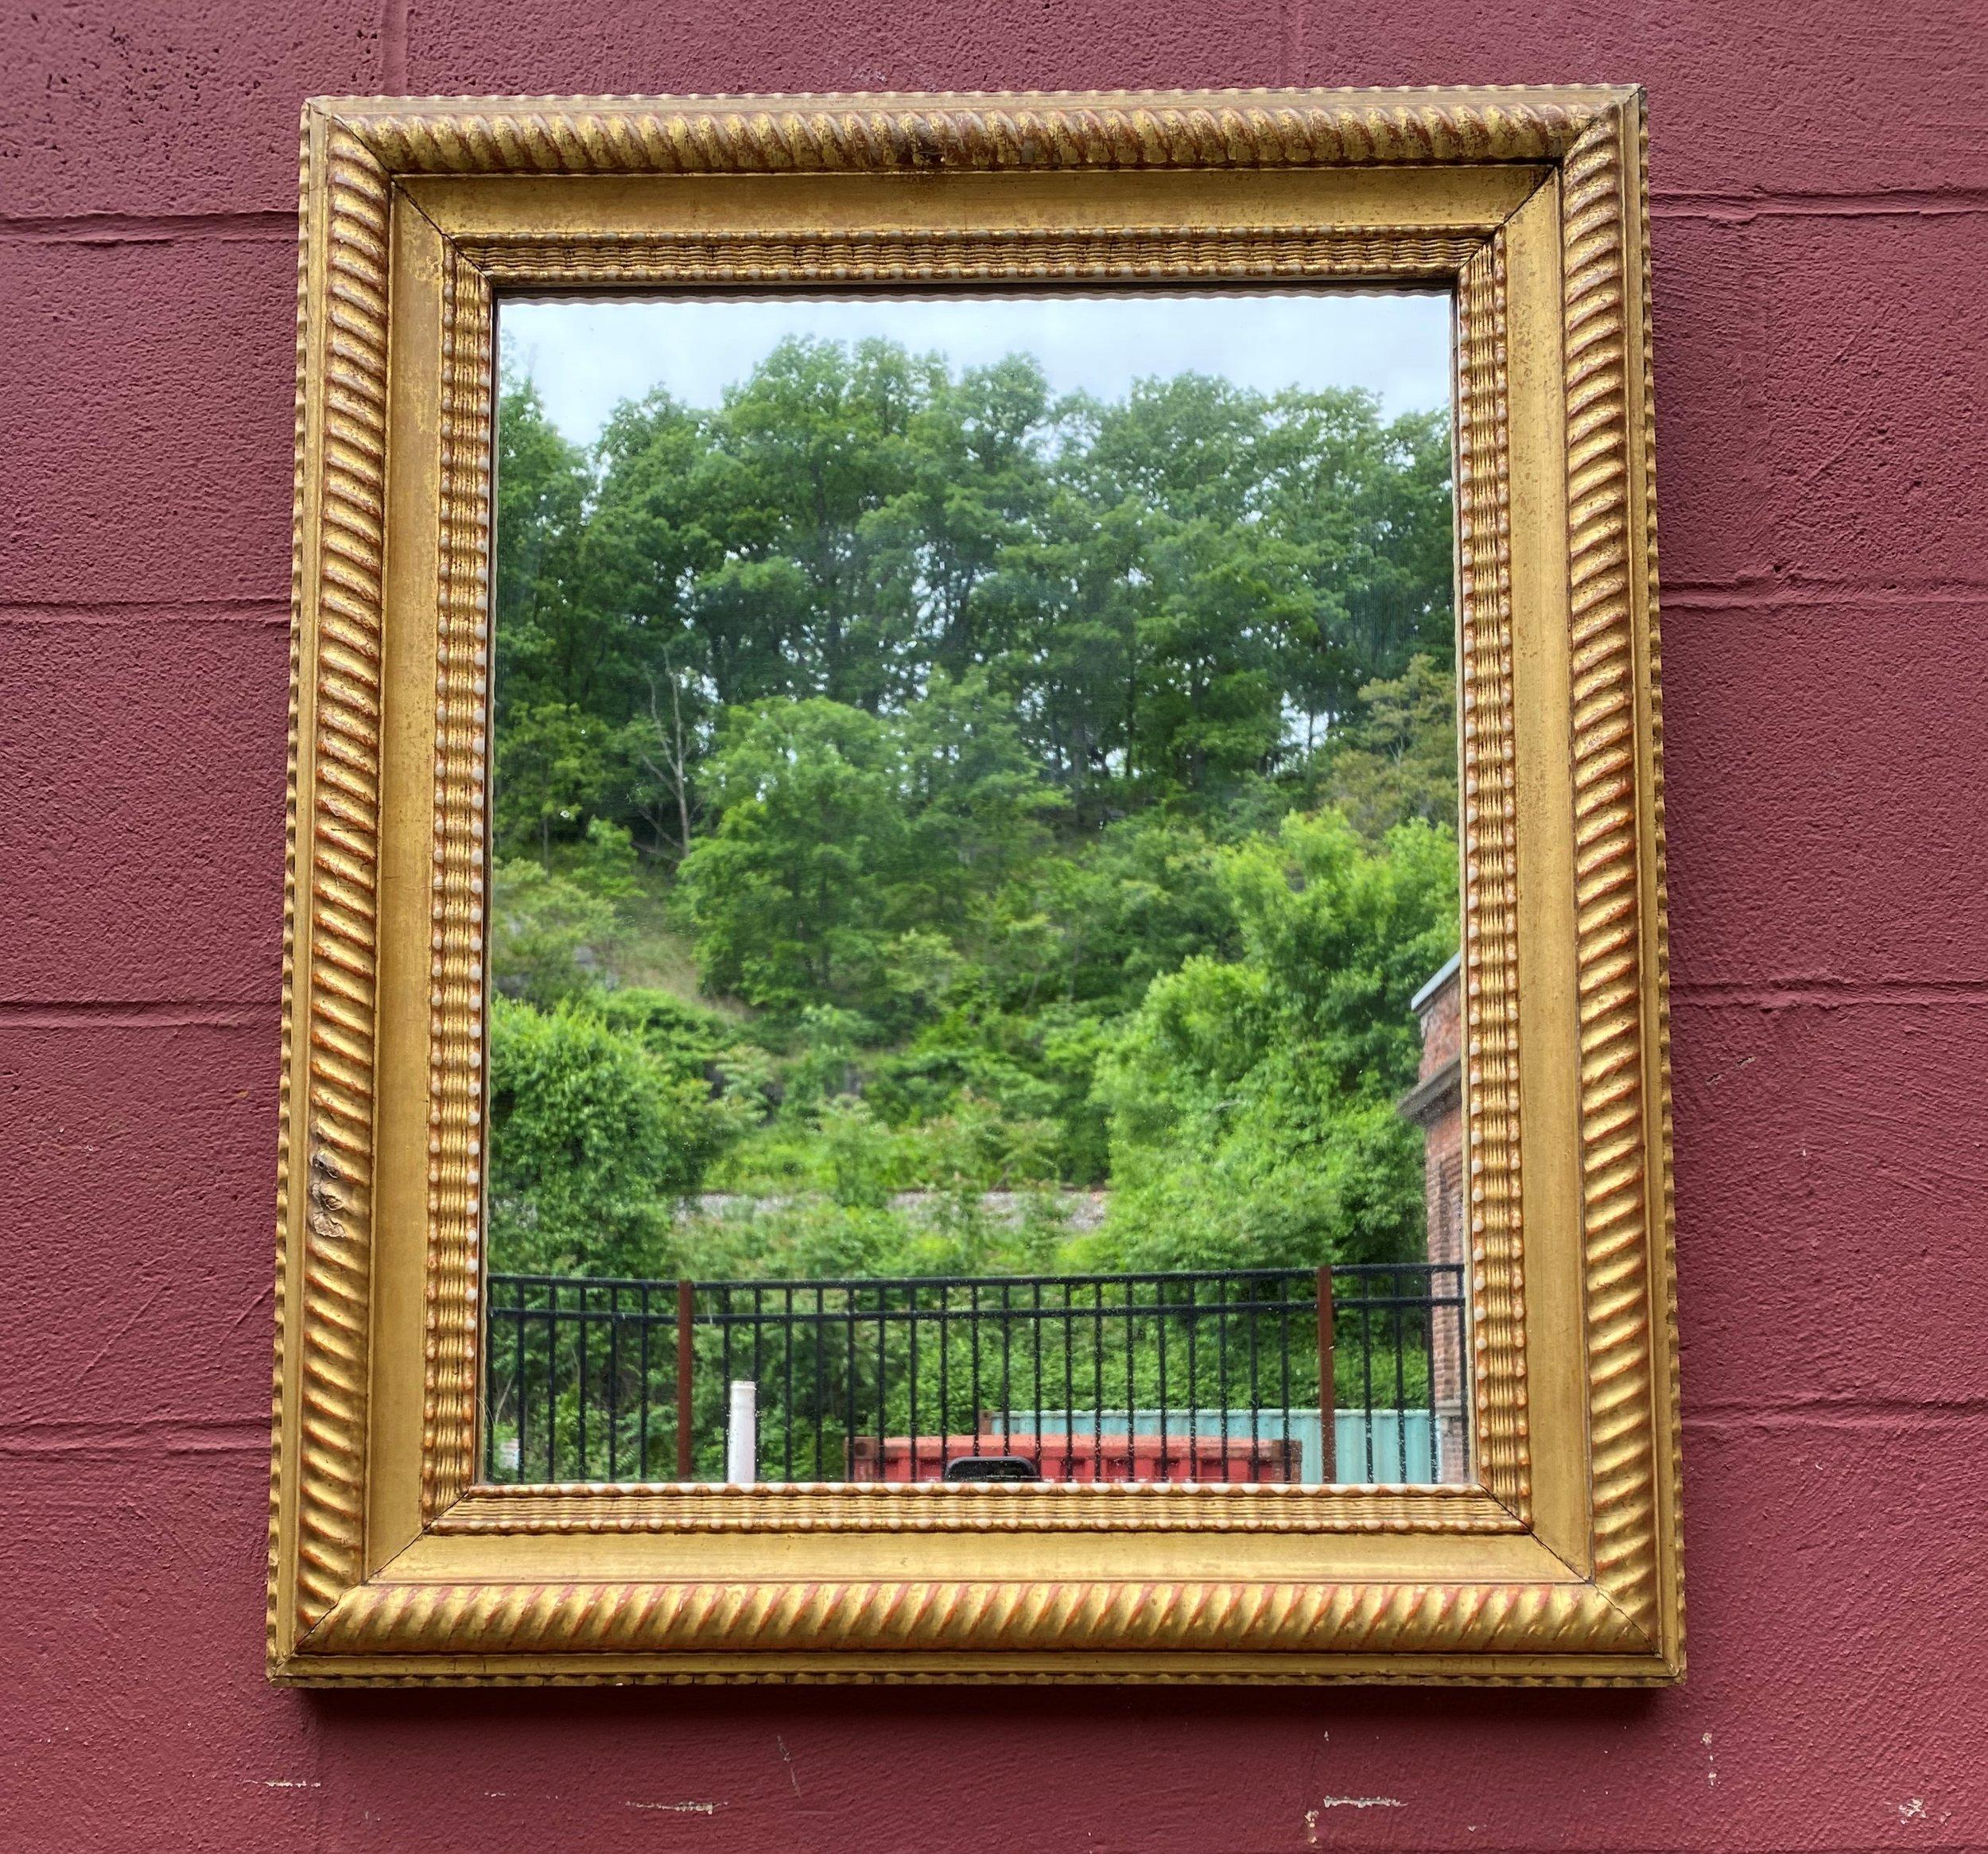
1436 1104
1820 177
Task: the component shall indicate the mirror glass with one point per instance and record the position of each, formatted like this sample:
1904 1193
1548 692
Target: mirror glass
972 979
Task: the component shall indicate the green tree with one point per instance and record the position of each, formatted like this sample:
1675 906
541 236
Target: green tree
789 896
1251 1101
955 727
547 631
549 935
815 444
1395 757
973 801
593 1141
554 763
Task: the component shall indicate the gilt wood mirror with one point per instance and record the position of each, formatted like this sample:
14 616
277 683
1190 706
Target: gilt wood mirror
975 931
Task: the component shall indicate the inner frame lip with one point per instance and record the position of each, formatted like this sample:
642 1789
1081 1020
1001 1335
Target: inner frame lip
1241 286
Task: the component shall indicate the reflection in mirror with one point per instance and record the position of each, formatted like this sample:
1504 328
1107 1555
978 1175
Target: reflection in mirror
972 976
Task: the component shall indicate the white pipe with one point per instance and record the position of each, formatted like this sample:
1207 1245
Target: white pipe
742 1435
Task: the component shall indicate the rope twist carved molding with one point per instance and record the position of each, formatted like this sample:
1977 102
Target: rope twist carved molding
692 135
340 532
683 1618
1609 920
284 1090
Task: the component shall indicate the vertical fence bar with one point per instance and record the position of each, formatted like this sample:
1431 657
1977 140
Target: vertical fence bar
1007 1371
1466 1441
820 1329
944 1430
552 1385
521 1347
787 1409
974 1328
641 1444
1070 1387
1366 1394
726 1366
882 1306
579 1380
1193 1393
912 1353
686 1373
1284 1305
491 1406
1255 1289
849 1367
1131 1390
1328 1389
613 1373
1036 1379
1221 1372
1400 1373
1097 1381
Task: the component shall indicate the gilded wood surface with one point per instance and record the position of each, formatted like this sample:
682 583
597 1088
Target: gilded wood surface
1663 1253
911 1617
456 1088
1023 254
929 1506
1616 1626
334 856
1189 253
1616 1037
1490 916
786 135
275 1623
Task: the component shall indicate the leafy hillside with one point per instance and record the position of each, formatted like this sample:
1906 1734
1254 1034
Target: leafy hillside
909 782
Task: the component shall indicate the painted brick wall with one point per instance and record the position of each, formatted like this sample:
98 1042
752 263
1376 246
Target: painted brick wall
1822 236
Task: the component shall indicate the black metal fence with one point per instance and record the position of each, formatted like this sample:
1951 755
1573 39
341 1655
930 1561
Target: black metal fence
1351 1374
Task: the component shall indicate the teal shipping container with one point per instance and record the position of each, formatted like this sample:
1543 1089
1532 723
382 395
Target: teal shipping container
1391 1446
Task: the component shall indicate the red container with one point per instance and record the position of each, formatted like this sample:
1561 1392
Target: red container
1083 1456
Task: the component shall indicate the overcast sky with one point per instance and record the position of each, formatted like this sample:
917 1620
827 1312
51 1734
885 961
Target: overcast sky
586 357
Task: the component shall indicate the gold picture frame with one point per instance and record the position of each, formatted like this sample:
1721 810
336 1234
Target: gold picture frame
389 1562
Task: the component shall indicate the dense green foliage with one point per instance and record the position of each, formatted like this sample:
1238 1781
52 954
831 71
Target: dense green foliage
907 781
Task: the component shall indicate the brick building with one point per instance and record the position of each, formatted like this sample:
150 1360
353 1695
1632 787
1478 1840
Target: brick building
1435 1104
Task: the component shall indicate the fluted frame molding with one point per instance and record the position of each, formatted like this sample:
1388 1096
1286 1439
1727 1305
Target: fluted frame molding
1562 1563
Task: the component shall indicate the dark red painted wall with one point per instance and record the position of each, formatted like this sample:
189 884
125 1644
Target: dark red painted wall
1821 175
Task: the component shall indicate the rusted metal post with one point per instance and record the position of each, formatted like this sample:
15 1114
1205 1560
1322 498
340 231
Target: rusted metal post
1328 1391
683 1380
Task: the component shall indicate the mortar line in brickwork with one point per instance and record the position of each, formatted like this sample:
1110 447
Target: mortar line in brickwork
279 223
250 226
144 611
1841 1402
1943 202
86 1014
68 1437
1795 594
1891 1416
1827 993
